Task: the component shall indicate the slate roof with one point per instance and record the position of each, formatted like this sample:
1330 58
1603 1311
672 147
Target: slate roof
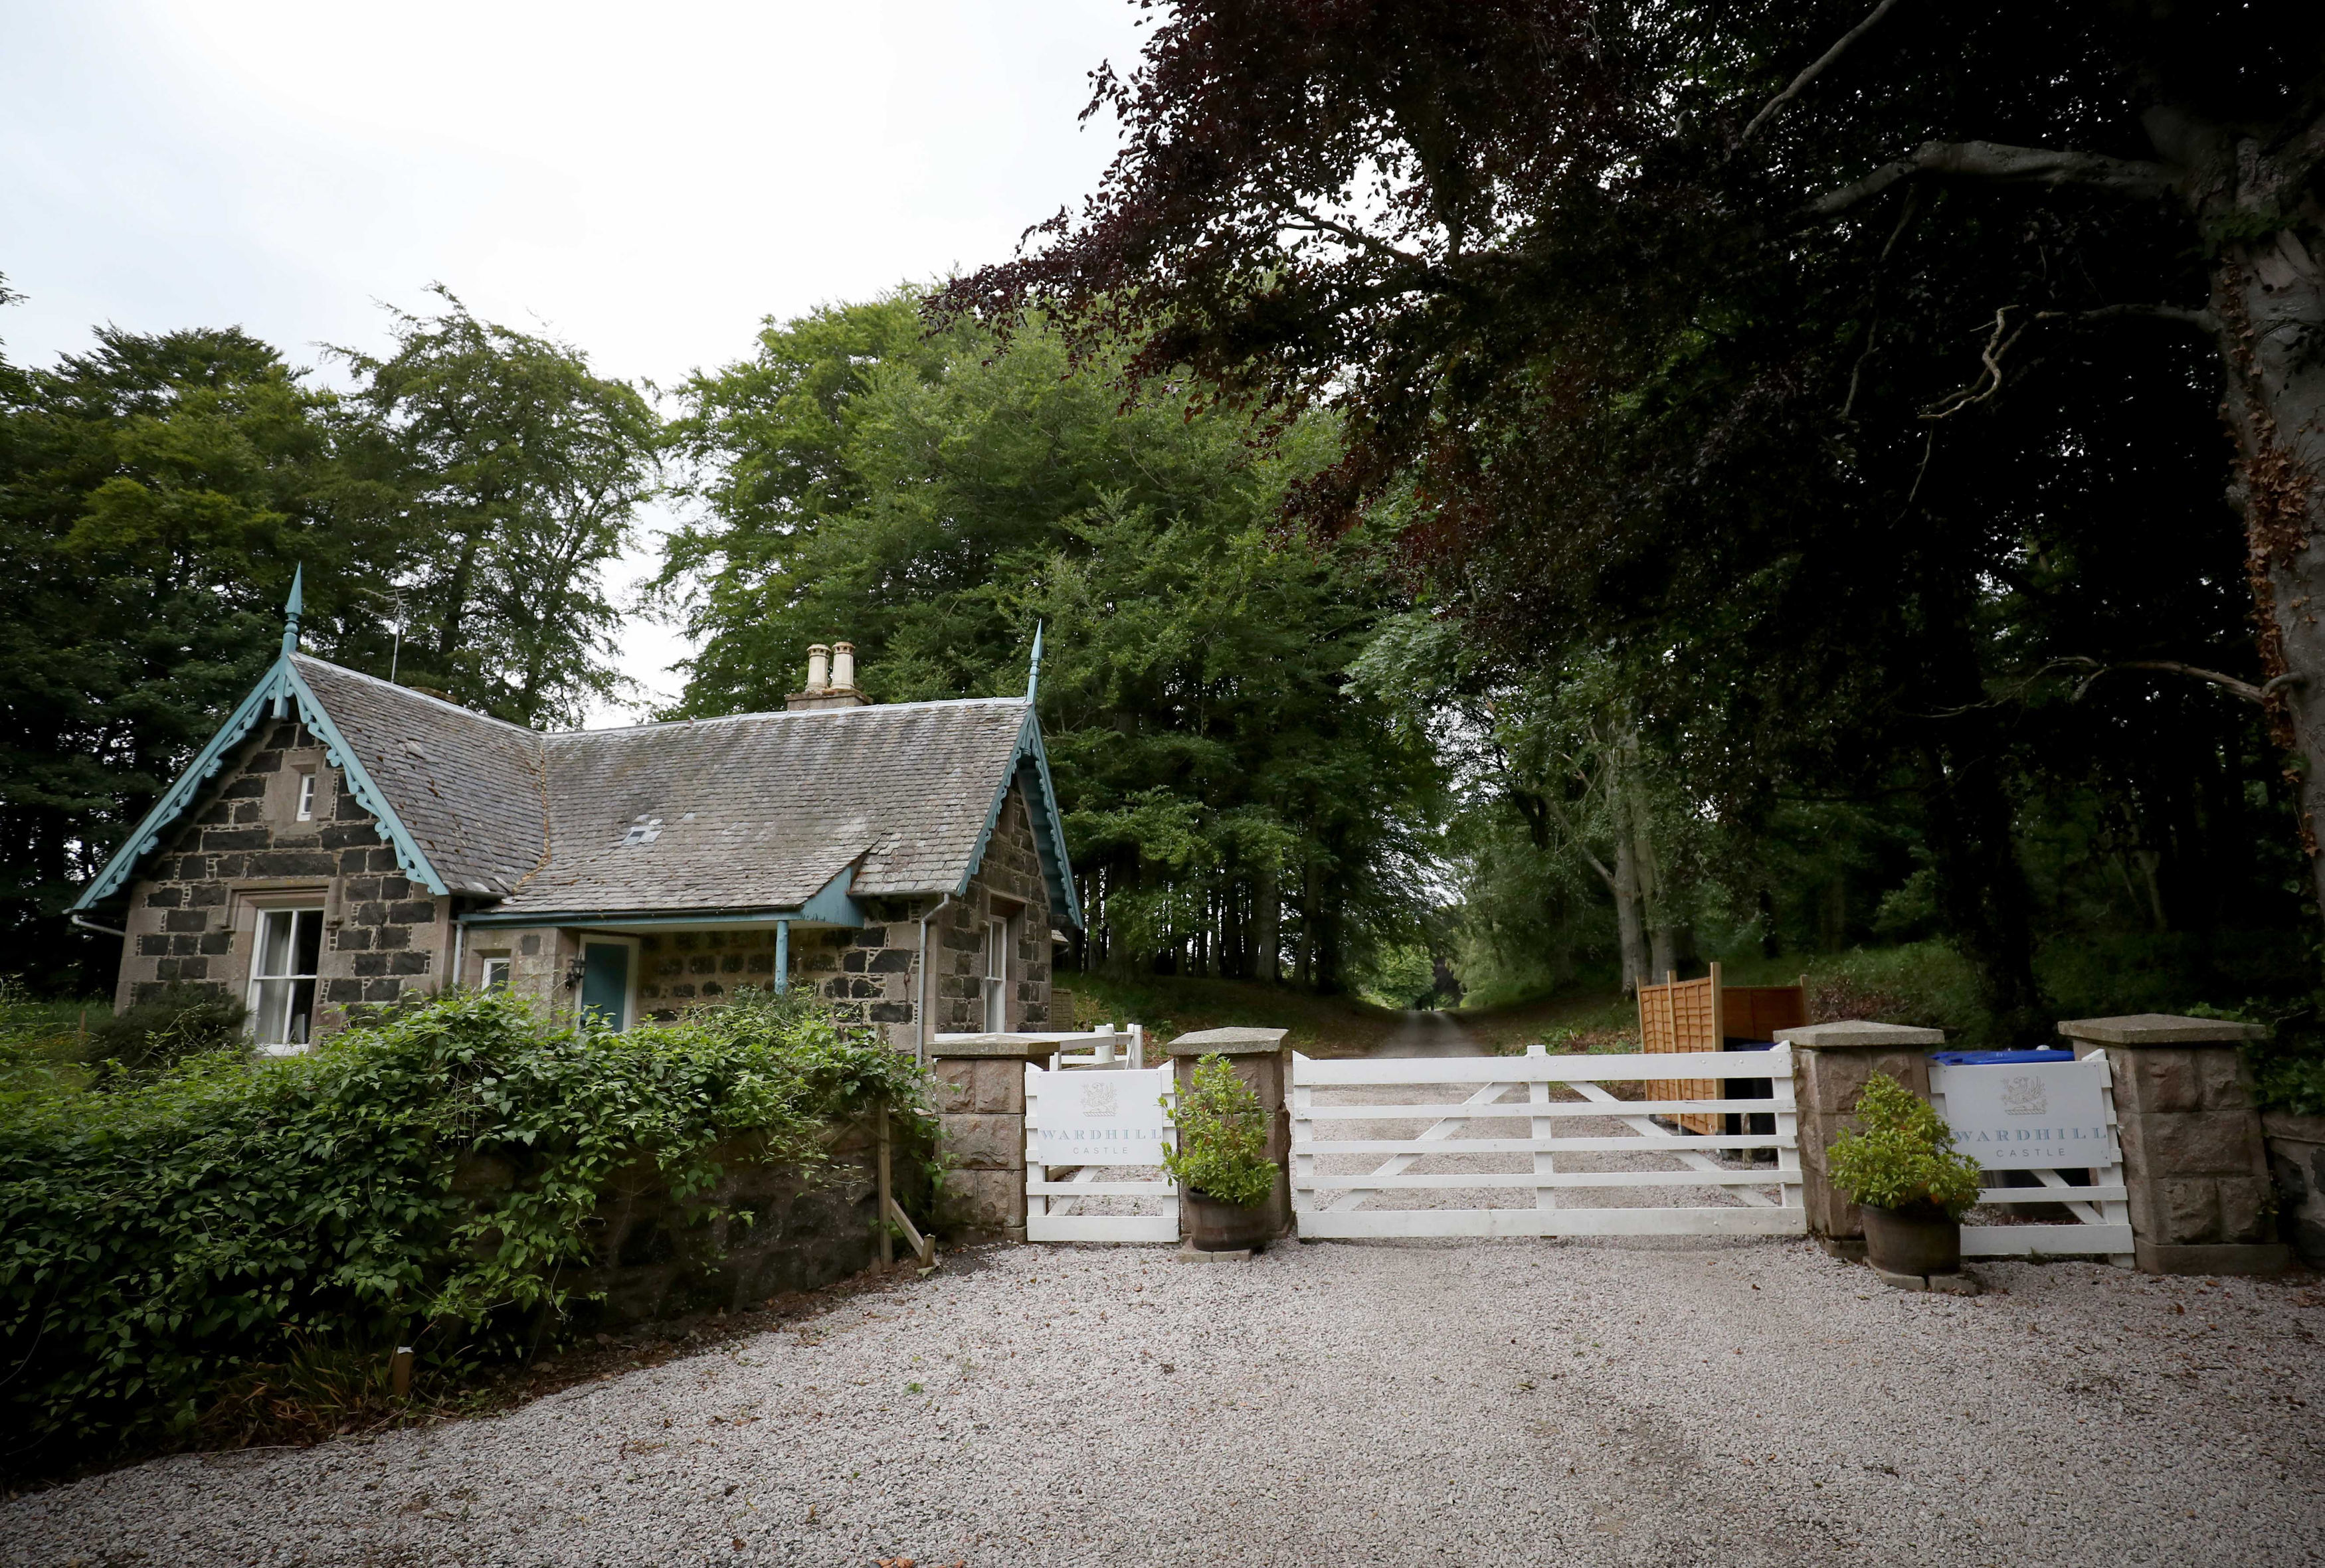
754 812
468 789
762 810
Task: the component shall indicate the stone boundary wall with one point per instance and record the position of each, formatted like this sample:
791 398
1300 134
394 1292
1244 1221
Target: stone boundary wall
1831 1064
2193 1157
653 1259
2296 1159
980 1101
2195 1163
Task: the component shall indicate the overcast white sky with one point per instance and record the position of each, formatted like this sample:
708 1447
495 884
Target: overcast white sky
648 181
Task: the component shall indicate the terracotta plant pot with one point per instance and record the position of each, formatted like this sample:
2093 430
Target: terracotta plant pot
1213 1226
1918 1239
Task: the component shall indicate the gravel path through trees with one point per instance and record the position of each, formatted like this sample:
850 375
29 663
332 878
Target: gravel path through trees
1642 1402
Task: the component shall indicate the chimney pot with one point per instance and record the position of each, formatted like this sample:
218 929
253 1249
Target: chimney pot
818 666
843 666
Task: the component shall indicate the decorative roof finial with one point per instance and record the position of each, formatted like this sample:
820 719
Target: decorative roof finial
291 606
1034 674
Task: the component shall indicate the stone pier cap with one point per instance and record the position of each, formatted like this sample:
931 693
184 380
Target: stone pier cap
1858 1035
1229 1042
1015 1048
2159 1028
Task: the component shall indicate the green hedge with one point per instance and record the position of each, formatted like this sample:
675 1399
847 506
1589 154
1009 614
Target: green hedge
158 1237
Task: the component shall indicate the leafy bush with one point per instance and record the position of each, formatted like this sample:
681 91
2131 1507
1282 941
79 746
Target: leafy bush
1904 1155
37 1039
1222 1149
181 1021
2287 1062
157 1238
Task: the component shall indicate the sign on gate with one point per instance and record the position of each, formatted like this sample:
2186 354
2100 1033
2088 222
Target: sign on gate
2045 1118
1102 1118
1088 1121
2028 1116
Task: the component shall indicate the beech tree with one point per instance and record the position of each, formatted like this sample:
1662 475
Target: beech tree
524 471
1233 808
1715 328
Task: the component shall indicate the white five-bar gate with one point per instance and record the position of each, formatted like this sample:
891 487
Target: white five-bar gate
1541 1145
1545 1131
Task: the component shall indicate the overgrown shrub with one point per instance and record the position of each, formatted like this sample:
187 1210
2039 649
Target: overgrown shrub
2288 1061
38 1039
1222 1149
159 1236
164 1029
1904 1154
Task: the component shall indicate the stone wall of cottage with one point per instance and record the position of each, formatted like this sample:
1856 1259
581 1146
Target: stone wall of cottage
193 910
192 917
1008 885
865 975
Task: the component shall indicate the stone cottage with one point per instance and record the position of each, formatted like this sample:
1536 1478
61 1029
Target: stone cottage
343 841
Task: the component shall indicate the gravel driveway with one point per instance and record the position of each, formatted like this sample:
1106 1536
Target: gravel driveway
1650 1402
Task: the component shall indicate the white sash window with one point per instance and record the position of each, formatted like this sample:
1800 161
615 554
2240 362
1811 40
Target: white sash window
290 949
997 976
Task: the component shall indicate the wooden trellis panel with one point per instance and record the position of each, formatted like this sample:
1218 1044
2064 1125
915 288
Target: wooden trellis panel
1702 1015
1684 1017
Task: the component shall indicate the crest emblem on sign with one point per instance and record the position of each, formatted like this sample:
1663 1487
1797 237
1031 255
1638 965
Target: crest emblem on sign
1097 1100
2023 1096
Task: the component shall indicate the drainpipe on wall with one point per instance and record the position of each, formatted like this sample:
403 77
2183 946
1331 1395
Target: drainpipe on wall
782 956
87 924
921 994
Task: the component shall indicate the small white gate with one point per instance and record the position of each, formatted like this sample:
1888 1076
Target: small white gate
1599 1152
1123 1111
2101 1211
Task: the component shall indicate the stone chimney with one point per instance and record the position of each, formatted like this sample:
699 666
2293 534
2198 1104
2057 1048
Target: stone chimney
830 679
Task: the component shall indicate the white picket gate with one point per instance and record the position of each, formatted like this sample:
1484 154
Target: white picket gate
1609 1134
2101 1211
1063 1210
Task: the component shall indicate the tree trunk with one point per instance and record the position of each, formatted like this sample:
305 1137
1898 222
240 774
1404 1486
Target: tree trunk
1304 964
456 590
1630 932
2268 302
1981 890
1267 916
2270 298
1634 871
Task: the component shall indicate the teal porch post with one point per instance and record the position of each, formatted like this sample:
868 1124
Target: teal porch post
782 956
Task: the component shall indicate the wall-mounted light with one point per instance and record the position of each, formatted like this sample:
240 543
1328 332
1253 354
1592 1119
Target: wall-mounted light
575 969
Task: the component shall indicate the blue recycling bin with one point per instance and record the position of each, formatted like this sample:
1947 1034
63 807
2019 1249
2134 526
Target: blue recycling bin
1999 1058
1761 1121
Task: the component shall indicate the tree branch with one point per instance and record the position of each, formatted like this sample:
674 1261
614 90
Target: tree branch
1989 379
1814 71
2003 165
2203 320
1316 223
2227 683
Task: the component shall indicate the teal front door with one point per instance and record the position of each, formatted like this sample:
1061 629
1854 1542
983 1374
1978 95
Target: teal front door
605 983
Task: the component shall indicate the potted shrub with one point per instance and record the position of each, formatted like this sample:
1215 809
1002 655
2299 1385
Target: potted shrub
1221 1163
1905 1173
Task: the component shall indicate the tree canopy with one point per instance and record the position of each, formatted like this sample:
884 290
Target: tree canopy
933 500
1850 381
157 492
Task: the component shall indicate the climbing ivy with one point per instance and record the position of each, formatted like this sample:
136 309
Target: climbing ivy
156 1237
